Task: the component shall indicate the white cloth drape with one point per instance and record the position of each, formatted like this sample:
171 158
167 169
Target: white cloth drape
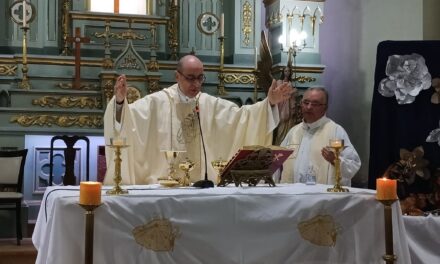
219 225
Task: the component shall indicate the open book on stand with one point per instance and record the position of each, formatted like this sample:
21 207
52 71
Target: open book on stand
251 164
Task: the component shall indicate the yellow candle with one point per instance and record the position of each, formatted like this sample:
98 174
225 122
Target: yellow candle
336 143
90 193
386 189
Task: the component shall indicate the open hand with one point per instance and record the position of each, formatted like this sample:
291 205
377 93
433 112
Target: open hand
120 89
279 92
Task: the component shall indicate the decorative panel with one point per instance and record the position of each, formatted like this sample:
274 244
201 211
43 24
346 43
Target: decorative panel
42 168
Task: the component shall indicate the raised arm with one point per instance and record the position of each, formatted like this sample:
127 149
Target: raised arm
279 92
120 91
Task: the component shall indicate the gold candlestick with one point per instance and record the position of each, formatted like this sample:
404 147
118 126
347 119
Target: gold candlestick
389 256
219 166
173 29
25 81
221 76
117 144
90 222
337 145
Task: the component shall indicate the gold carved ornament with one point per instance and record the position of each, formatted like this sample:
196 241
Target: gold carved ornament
86 86
7 70
59 120
133 94
108 90
304 79
247 22
172 29
153 85
157 235
320 230
153 66
68 101
239 78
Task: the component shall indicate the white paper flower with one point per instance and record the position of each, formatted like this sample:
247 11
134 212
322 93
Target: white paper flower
407 76
434 135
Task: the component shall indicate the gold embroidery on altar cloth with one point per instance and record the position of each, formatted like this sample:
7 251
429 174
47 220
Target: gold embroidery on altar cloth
320 230
157 235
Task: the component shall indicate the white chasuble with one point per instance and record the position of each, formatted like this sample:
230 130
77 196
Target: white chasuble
323 169
160 121
307 140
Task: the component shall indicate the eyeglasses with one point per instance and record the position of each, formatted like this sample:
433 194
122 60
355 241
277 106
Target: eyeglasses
201 78
312 104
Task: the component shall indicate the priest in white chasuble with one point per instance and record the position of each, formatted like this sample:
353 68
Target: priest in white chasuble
168 120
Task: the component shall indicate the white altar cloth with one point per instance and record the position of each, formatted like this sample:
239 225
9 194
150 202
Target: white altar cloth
423 238
219 225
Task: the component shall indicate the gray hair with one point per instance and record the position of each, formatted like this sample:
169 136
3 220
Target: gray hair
320 89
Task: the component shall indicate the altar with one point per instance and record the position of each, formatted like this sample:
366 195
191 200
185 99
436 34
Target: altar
293 223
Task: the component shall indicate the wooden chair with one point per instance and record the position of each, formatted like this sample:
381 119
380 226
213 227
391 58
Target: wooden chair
69 158
11 184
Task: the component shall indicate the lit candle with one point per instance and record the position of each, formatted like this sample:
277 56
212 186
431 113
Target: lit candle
256 58
90 193
222 25
386 189
117 141
24 13
336 143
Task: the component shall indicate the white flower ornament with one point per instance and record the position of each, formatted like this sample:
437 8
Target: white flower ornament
407 76
434 135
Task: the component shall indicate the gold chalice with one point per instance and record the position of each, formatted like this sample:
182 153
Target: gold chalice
337 145
219 166
186 166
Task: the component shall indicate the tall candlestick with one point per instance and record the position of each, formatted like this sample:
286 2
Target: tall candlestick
386 189
90 193
24 13
222 25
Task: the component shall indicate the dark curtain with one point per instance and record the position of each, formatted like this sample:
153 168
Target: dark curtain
407 126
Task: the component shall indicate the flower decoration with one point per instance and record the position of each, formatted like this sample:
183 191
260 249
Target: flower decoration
434 135
409 165
435 98
407 76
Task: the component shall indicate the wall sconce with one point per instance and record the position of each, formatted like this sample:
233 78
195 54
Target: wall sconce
295 42
297 28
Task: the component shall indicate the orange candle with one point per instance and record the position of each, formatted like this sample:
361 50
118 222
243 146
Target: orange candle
90 193
386 189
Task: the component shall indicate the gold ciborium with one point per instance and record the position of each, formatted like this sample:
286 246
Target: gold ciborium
117 143
337 145
219 166
186 166
171 156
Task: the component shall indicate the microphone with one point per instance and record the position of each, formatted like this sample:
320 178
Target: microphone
203 183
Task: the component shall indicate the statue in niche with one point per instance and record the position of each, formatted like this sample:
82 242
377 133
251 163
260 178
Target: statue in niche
290 113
